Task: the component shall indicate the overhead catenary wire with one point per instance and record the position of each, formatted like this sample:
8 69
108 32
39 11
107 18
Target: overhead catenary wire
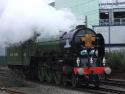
92 13
84 3
86 13
95 11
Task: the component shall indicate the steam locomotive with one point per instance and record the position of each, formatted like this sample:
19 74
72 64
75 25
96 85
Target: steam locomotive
76 57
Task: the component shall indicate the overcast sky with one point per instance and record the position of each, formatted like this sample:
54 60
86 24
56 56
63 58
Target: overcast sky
109 1
100 0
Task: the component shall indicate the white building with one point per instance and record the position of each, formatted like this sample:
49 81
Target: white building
112 23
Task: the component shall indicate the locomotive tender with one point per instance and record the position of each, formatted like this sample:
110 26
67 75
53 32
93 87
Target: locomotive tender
76 57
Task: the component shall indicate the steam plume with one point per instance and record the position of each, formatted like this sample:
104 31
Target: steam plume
19 19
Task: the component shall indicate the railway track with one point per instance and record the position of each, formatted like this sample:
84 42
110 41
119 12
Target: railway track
104 89
107 87
112 89
113 82
7 91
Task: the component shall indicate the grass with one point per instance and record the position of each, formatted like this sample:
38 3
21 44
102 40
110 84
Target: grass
116 60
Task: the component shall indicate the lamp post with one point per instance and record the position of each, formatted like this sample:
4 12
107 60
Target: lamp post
111 19
109 29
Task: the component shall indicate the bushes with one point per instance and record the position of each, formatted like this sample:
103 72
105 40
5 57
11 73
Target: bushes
116 60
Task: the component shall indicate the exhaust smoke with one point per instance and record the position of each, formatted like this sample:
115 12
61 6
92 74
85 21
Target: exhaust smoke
20 18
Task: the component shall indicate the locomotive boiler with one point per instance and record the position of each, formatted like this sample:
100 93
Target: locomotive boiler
76 57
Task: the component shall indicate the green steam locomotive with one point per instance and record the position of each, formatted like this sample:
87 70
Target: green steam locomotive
75 57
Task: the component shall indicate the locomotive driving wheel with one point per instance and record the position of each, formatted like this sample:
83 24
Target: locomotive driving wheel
65 81
57 77
41 74
74 81
48 74
18 74
96 81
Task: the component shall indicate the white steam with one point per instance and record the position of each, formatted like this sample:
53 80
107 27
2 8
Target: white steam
19 19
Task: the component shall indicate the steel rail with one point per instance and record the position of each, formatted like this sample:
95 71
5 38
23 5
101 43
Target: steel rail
11 91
